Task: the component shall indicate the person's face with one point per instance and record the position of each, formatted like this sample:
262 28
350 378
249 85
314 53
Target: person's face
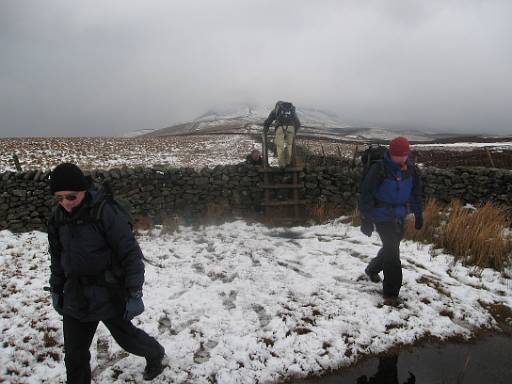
255 155
69 199
400 160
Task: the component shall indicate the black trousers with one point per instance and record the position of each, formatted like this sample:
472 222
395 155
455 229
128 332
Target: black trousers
388 257
78 338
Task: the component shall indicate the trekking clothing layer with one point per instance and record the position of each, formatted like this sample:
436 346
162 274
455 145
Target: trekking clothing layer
272 116
78 336
389 193
95 262
284 145
388 257
249 160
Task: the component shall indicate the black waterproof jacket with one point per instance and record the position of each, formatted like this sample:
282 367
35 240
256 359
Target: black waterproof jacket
272 116
96 263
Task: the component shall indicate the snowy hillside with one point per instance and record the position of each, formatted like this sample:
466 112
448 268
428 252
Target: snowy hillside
248 119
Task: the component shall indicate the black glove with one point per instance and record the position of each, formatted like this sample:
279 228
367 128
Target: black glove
57 299
418 222
134 306
367 227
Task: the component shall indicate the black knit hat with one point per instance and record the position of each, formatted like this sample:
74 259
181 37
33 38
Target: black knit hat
67 177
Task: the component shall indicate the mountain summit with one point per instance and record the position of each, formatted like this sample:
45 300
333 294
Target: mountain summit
248 119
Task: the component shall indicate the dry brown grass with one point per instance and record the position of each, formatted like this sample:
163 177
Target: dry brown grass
323 212
142 223
476 237
215 213
355 218
170 224
432 221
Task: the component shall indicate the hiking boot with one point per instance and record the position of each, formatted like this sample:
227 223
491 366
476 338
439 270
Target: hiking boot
374 277
392 301
154 367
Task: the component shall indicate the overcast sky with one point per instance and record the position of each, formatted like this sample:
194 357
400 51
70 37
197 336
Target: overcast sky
104 67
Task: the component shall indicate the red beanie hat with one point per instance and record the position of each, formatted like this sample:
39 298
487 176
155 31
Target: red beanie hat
399 146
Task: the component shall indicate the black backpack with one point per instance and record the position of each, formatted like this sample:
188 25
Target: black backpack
285 113
373 154
119 204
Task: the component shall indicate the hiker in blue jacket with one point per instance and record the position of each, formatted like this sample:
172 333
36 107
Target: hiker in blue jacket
97 274
390 190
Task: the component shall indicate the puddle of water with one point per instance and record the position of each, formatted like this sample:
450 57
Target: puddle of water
486 360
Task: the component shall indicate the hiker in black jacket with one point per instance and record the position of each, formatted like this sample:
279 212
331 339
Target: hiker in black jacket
287 124
97 274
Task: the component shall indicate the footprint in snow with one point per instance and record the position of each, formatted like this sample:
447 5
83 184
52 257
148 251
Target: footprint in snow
263 316
229 301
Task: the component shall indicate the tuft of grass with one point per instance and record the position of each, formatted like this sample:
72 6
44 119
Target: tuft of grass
170 224
215 213
432 221
323 211
355 218
142 223
478 237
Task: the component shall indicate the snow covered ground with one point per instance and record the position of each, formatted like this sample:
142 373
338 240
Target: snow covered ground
465 146
243 303
172 151
110 152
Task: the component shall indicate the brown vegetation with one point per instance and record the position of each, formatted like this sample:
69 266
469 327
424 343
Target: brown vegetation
478 237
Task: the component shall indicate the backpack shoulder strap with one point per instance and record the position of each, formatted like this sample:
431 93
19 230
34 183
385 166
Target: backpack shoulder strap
382 171
56 216
97 210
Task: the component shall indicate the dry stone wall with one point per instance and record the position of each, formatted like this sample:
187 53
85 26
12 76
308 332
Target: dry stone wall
234 190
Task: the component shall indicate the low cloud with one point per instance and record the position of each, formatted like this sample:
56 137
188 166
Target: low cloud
107 67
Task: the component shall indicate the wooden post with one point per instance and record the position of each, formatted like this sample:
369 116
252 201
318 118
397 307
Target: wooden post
490 157
264 149
323 153
354 155
16 162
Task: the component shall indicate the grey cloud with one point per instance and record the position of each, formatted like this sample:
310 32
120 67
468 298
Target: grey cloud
108 67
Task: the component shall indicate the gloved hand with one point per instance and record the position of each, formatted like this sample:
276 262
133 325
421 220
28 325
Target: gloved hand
57 299
418 222
134 306
367 227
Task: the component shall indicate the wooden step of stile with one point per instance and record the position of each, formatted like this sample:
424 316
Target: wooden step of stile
282 186
280 170
283 203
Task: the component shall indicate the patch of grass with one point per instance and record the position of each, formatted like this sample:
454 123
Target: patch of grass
142 223
215 213
432 221
477 237
170 224
323 212
49 341
356 218
501 313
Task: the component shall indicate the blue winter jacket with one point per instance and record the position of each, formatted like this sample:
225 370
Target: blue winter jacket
388 193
